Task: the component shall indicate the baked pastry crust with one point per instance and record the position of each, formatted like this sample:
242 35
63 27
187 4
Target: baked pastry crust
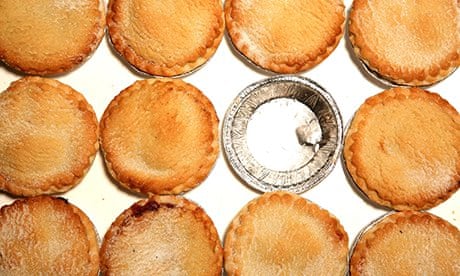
281 233
162 235
403 149
160 136
49 37
49 137
407 243
286 37
407 42
48 236
165 38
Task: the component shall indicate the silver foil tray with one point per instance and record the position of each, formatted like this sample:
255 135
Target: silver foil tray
282 133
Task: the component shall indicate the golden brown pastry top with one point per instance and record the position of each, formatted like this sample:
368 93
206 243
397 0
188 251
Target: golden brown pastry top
414 42
403 148
49 37
408 243
168 37
285 36
280 233
162 235
48 236
49 137
160 136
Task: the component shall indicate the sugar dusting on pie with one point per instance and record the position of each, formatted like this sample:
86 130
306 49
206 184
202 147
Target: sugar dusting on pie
415 42
49 37
49 137
288 36
160 136
168 37
281 232
407 243
403 149
162 235
45 235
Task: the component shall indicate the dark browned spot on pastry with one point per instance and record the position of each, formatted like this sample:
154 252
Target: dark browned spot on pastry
150 206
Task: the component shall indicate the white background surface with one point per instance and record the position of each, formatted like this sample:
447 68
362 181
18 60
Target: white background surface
222 194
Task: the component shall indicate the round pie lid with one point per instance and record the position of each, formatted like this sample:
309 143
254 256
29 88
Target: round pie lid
283 133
